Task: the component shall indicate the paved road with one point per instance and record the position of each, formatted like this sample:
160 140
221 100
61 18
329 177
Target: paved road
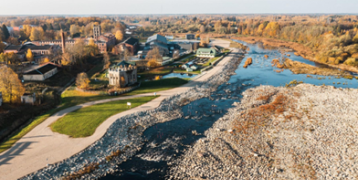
41 146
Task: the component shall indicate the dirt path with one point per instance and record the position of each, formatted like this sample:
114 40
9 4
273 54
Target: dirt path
41 146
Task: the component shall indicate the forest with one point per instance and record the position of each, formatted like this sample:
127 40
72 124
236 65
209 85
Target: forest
332 38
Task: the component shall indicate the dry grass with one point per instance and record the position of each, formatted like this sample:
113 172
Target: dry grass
248 62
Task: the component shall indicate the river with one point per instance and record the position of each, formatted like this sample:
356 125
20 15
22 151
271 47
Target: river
167 141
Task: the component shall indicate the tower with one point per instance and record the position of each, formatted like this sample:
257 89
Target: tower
96 32
63 41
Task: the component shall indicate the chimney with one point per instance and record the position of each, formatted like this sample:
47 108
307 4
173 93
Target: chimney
63 41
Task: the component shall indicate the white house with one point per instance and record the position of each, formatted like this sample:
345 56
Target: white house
40 74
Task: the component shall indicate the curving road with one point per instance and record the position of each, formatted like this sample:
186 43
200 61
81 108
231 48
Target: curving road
41 146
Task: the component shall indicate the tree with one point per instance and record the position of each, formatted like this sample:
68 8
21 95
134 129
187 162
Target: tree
82 81
355 38
154 54
5 31
106 61
272 29
152 63
119 35
202 29
45 60
260 29
66 59
10 85
29 55
91 42
74 29
37 34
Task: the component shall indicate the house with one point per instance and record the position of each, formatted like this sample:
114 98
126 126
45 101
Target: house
131 44
158 41
190 36
206 52
102 41
40 74
122 74
28 98
39 52
0 98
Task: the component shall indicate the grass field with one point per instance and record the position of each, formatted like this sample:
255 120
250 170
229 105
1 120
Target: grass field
179 70
84 122
159 85
71 97
210 61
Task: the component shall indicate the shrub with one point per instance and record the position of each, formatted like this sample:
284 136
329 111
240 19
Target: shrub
351 62
248 62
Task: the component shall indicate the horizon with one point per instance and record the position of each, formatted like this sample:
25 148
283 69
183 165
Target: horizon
164 7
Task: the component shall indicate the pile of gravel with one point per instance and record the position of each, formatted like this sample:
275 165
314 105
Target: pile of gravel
316 137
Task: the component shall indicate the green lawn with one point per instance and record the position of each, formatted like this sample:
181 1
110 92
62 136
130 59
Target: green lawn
158 85
84 122
71 97
179 70
211 61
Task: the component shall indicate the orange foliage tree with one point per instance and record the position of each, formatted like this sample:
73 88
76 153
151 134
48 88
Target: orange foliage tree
10 85
82 81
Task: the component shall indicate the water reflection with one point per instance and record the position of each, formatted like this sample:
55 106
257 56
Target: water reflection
262 71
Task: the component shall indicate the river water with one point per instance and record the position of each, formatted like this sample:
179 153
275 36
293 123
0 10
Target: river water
167 141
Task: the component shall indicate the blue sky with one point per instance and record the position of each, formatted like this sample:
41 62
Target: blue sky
176 6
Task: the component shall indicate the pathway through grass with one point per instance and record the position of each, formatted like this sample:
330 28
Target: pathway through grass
84 122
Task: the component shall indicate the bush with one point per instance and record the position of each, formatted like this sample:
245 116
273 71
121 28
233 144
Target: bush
351 62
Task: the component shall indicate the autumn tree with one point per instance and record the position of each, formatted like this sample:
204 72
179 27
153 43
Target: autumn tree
204 41
29 55
154 54
355 38
66 59
37 34
106 61
152 63
119 35
10 85
82 81
45 60
74 29
202 29
272 29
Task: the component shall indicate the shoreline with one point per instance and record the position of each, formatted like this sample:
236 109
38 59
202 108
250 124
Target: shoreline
300 49
133 139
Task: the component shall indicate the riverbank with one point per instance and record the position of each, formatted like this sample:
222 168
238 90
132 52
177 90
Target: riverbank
282 133
300 50
125 133
302 68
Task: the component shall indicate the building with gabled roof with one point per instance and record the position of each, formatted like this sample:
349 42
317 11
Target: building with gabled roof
132 44
41 73
206 52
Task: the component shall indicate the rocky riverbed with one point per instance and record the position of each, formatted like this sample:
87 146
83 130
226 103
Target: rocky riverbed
125 137
302 132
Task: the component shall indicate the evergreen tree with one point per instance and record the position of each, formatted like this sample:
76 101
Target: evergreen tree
5 31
